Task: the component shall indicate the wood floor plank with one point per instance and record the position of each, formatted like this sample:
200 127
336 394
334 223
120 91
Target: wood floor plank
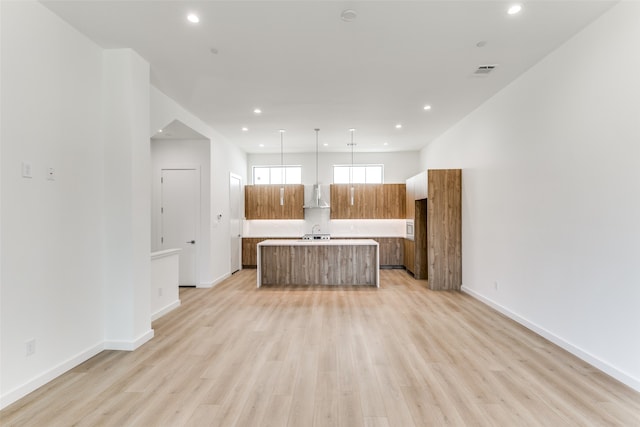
399 355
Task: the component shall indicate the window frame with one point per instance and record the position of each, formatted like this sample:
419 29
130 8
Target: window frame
354 166
271 168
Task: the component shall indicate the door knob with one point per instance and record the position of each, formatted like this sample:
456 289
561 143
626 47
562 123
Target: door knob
193 242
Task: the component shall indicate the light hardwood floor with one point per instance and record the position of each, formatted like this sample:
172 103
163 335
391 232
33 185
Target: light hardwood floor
400 355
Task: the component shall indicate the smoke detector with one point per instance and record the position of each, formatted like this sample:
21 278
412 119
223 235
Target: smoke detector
348 15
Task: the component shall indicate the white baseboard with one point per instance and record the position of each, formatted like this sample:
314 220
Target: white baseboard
129 345
13 395
158 314
214 282
605 367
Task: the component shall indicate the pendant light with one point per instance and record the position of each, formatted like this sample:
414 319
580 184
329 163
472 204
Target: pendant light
352 190
316 201
316 188
282 167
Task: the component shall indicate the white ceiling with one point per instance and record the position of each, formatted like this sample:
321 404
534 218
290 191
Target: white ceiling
306 68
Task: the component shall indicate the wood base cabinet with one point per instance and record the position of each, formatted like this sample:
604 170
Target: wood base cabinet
409 255
391 250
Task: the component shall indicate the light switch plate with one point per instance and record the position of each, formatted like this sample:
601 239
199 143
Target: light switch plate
26 170
51 174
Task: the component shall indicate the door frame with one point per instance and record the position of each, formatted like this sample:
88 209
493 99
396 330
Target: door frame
198 250
240 217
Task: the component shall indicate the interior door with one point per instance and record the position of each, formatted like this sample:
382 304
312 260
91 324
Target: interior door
180 214
235 221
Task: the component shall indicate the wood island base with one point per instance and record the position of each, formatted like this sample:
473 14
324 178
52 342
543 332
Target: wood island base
325 262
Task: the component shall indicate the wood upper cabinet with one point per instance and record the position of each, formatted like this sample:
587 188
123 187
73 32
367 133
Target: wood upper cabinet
263 202
410 209
420 186
444 229
370 201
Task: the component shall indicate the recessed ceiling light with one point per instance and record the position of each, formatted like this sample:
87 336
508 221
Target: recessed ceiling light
325 144
514 9
261 145
352 130
160 130
427 107
245 129
193 18
282 131
386 143
398 126
257 111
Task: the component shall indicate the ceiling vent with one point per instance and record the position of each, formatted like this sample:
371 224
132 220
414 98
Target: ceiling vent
484 70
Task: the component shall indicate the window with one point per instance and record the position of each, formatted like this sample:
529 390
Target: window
275 174
361 174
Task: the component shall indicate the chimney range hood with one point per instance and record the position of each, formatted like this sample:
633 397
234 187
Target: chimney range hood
316 201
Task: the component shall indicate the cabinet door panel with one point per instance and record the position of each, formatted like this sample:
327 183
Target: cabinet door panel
263 202
409 255
444 240
370 201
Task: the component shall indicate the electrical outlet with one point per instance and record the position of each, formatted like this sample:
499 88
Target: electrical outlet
30 347
51 174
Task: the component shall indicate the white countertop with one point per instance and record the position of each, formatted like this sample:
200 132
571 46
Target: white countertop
331 242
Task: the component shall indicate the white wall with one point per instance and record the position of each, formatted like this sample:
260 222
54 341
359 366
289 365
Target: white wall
167 154
127 199
75 250
225 158
52 231
165 282
551 186
398 166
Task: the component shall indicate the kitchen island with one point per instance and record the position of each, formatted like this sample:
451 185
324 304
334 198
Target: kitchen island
318 262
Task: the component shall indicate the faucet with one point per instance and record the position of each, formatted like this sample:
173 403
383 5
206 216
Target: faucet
315 229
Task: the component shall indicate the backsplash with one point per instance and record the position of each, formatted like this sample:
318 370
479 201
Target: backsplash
337 228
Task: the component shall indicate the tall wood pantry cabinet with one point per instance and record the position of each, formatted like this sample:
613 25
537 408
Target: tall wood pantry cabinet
434 203
444 229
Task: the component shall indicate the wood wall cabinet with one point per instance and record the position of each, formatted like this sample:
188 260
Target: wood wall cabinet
444 229
371 201
434 203
410 199
263 202
420 186
416 190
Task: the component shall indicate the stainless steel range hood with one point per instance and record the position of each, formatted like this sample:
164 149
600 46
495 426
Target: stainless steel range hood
316 201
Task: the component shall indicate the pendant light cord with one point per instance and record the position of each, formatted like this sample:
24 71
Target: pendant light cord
281 167
317 130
